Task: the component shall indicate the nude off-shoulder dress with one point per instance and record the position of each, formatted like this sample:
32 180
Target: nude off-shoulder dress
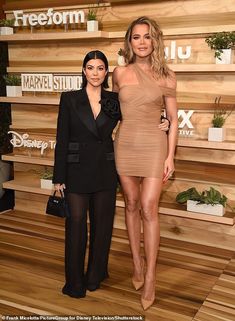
140 146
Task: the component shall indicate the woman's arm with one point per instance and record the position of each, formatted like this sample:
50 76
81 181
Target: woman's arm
171 111
62 140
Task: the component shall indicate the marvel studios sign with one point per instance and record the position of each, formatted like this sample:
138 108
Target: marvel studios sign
50 82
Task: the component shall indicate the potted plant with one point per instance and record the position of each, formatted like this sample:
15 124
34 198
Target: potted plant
217 132
13 83
121 57
6 26
46 178
92 22
222 42
208 201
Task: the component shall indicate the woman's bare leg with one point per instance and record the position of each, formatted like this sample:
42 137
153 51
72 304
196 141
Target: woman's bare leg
149 198
131 191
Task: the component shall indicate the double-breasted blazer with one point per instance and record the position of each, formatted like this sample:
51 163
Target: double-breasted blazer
84 155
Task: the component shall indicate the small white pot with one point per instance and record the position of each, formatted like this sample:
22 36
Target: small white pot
217 209
92 25
46 183
216 134
226 57
14 91
121 61
6 31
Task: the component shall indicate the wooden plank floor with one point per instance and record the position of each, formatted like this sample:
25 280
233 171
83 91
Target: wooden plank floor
194 282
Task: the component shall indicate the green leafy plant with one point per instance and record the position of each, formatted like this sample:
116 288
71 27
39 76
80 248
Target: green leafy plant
211 196
220 114
92 14
220 41
47 173
12 80
121 52
7 22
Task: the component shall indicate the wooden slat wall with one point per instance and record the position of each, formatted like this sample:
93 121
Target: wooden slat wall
183 22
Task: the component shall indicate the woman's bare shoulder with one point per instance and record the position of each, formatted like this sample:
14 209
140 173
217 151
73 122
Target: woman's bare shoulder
120 70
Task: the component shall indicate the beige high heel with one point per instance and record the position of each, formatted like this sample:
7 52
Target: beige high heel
138 284
146 304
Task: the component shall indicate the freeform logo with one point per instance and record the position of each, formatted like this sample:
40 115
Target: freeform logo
48 18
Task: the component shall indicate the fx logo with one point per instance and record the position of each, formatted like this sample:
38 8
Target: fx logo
185 118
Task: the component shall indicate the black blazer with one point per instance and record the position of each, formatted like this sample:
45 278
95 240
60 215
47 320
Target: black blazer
84 156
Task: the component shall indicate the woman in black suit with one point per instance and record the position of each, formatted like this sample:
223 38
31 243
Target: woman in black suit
85 168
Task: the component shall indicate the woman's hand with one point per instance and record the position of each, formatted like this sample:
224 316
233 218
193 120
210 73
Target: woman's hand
59 187
169 169
165 125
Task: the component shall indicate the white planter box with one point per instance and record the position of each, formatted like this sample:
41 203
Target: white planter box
121 61
92 25
46 183
14 91
217 209
6 31
226 57
216 134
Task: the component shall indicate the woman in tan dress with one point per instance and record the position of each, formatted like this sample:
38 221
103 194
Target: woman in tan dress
144 153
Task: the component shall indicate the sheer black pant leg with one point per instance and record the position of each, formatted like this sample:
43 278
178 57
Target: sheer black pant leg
101 214
75 244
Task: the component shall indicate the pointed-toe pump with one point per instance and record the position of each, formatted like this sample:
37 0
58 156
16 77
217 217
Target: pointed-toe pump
138 284
146 304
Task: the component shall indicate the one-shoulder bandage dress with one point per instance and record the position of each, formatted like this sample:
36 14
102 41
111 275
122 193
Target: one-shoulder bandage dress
140 146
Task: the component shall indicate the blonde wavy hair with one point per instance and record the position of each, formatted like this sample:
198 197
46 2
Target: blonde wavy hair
158 63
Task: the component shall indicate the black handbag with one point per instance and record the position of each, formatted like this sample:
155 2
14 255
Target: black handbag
57 205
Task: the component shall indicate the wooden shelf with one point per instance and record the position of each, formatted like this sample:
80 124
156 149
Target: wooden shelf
50 69
164 209
170 209
182 142
179 211
196 100
202 143
204 99
204 173
194 31
50 36
37 5
169 31
33 131
178 68
35 100
28 159
17 185
201 68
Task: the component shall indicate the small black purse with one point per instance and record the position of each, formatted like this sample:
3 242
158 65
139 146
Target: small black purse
57 205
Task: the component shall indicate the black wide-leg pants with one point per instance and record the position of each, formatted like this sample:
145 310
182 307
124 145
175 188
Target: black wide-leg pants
101 207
